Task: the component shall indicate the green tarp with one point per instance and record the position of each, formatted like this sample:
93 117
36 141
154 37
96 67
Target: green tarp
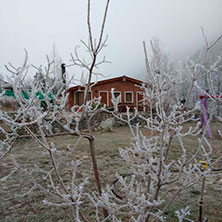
39 95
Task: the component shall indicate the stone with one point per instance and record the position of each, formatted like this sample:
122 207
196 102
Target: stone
220 181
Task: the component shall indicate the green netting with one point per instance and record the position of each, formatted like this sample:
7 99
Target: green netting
9 93
25 95
39 95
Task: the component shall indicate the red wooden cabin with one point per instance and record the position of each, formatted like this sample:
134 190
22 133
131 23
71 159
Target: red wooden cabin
128 88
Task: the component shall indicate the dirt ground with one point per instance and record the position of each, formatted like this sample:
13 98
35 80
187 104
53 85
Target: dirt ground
16 208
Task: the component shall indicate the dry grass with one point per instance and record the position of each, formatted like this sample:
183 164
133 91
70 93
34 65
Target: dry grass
28 153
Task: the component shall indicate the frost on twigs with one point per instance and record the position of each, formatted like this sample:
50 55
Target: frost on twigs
115 100
42 113
152 170
182 214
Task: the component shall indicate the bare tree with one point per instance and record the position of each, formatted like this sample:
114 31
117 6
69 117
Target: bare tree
31 114
151 171
201 70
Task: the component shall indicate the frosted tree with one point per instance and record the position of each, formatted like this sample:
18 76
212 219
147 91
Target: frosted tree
164 71
40 108
202 71
141 194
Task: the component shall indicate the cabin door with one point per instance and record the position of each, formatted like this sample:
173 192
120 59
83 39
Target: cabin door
104 98
140 101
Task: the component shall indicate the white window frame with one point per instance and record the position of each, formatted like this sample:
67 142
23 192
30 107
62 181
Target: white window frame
119 93
107 93
83 94
125 97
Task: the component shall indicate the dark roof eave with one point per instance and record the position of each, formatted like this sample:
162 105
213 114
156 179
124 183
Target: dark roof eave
136 81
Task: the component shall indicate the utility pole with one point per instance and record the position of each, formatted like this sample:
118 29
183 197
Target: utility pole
63 66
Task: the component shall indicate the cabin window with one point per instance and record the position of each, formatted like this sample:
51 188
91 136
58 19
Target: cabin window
128 97
104 97
79 98
117 94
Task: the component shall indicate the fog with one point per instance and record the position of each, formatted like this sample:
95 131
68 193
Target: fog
38 25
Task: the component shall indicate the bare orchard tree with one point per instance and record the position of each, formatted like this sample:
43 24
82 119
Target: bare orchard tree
163 70
40 110
143 193
202 71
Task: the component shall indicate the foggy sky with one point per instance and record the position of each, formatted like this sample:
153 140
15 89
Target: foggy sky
37 25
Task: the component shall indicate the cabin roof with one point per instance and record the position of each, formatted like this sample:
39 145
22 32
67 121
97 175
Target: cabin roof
136 81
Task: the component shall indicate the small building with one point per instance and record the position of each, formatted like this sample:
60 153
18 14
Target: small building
129 89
